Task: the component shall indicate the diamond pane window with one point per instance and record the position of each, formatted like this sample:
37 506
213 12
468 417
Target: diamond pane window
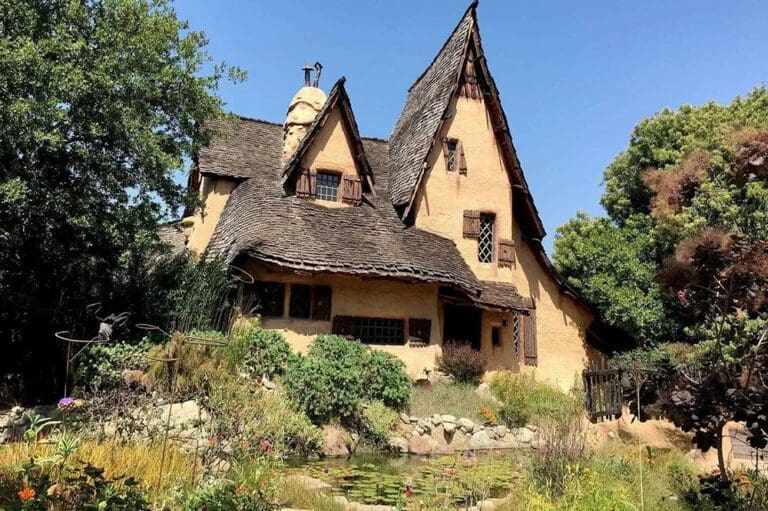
327 186
450 155
485 239
516 332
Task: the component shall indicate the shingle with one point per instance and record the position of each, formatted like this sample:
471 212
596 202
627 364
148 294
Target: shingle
501 295
241 148
424 107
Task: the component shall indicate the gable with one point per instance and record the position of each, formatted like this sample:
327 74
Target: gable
331 148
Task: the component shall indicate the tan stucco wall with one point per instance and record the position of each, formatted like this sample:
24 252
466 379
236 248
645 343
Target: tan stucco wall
361 297
215 193
439 207
331 151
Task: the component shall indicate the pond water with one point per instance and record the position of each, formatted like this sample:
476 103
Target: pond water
462 479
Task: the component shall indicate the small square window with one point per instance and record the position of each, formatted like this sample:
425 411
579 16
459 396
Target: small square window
327 186
321 303
450 154
301 296
266 298
496 336
485 239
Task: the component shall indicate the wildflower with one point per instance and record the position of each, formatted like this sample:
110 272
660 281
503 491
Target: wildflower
448 472
682 296
26 494
240 490
213 441
264 446
65 402
470 453
325 470
408 488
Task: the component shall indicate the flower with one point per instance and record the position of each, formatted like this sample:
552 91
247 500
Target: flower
213 441
65 402
240 490
265 446
325 470
470 453
448 472
26 494
408 488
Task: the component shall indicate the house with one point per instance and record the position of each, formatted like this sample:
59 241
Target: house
409 243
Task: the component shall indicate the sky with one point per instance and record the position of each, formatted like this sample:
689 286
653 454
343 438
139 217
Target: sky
575 76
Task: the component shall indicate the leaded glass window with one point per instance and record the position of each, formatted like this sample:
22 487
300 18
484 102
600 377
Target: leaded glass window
450 154
485 239
516 329
327 186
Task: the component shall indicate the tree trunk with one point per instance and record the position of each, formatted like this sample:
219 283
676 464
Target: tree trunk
721 454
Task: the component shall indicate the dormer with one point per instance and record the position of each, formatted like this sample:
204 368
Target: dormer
324 160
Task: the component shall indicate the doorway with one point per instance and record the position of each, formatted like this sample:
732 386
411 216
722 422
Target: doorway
462 324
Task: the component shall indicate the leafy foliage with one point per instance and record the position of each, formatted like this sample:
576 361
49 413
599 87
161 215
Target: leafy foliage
253 487
337 374
378 421
462 362
104 364
683 171
102 103
524 400
268 352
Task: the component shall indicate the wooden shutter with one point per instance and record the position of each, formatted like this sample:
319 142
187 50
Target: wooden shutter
471 224
306 184
445 148
529 339
352 190
506 253
420 328
462 161
321 303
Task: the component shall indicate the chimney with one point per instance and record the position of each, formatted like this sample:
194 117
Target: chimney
303 109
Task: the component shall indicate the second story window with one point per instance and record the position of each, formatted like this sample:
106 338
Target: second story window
327 186
485 238
453 152
450 154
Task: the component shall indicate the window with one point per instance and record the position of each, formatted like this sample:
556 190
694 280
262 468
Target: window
419 329
301 299
310 302
266 298
327 186
370 330
485 238
450 154
516 332
496 336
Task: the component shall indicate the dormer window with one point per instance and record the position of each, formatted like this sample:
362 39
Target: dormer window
453 152
327 186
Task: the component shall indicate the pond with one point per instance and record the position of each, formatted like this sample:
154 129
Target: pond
460 479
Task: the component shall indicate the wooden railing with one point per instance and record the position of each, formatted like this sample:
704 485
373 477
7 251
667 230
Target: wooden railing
602 393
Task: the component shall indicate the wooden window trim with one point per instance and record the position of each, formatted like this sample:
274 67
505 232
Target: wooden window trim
327 172
346 326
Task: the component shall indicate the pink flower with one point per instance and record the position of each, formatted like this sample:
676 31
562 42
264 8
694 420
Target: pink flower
65 402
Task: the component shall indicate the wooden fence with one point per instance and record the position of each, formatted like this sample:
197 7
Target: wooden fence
602 393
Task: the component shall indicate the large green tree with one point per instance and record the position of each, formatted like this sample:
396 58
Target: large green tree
101 103
677 177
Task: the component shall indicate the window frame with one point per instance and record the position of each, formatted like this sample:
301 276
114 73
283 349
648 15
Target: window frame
481 238
354 326
294 306
320 188
259 290
496 336
452 154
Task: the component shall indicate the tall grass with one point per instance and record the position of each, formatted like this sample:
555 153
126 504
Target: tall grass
526 400
458 399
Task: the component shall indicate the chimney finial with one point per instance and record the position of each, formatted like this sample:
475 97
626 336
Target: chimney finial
307 70
318 70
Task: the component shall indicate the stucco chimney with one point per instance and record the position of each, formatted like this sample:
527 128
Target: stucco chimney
303 109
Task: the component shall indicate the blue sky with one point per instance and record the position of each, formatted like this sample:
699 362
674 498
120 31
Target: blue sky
575 76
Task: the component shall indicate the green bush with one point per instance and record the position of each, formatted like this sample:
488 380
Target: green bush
385 379
249 486
525 400
268 353
337 375
377 421
101 366
461 362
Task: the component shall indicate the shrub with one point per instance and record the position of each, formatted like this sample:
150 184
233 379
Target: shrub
385 379
462 362
457 399
267 353
525 400
378 421
251 486
101 366
337 375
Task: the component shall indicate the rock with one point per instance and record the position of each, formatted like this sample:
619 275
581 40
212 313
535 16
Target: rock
306 482
17 411
420 445
448 418
337 440
612 435
449 427
437 420
483 391
500 431
426 425
524 435
267 384
356 506
341 500
418 430
508 441
398 444
466 425
404 418
481 440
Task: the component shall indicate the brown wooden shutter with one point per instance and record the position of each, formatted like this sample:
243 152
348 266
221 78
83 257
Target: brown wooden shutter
352 190
321 303
531 350
506 253
303 188
445 148
420 328
462 160
312 183
471 224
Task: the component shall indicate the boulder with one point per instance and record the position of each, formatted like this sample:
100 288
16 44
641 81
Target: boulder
437 420
449 427
466 424
523 435
337 440
481 440
483 391
420 445
398 444
500 431
448 418
404 418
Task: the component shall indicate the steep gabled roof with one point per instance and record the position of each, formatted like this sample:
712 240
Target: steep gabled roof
338 97
241 147
425 109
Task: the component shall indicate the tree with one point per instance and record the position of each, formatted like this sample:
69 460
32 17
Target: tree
677 177
101 102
